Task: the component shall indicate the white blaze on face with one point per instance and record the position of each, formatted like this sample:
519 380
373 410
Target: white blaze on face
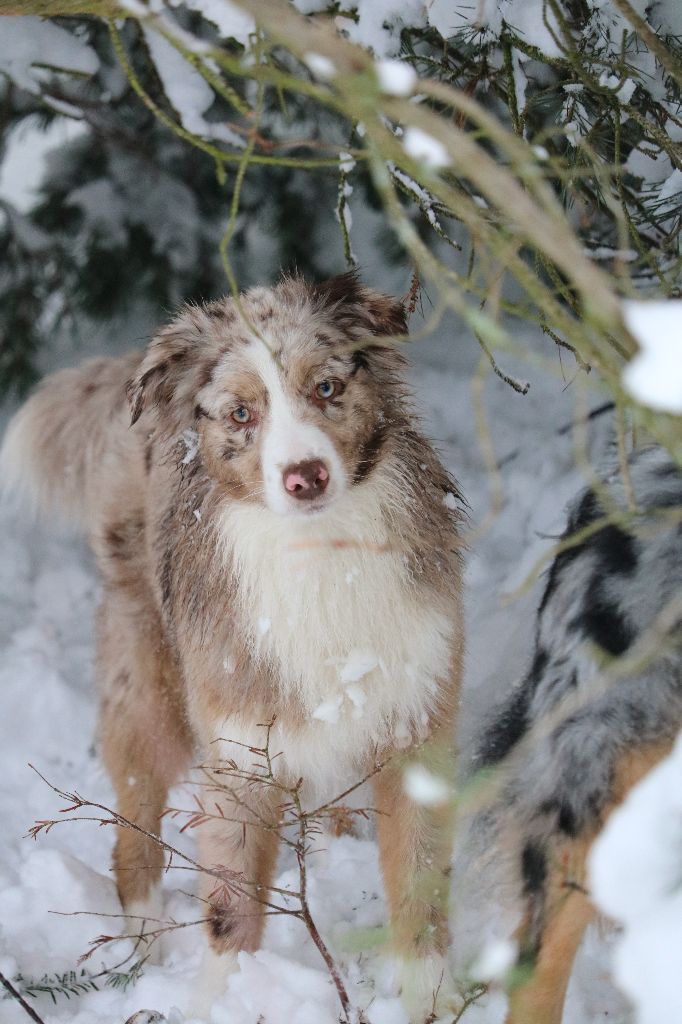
288 439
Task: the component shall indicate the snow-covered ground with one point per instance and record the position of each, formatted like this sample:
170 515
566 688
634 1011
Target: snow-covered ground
48 593
518 462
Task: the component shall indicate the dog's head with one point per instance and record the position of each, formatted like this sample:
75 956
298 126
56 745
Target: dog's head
293 396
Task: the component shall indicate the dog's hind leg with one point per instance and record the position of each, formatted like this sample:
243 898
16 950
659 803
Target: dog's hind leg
557 903
145 745
557 912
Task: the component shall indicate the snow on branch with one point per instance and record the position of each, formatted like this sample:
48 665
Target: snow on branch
542 139
654 375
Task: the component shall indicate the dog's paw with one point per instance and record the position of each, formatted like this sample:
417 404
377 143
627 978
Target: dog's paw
144 916
210 984
428 990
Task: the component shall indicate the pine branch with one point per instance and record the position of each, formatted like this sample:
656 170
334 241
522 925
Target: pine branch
9 987
653 42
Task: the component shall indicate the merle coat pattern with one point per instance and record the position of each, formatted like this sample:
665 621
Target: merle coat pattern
583 725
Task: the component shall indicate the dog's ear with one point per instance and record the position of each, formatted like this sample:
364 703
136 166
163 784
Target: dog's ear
166 366
153 383
358 309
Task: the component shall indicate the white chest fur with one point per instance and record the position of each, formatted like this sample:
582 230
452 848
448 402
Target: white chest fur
329 604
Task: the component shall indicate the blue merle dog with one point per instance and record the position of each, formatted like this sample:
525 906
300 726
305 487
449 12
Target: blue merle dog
601 704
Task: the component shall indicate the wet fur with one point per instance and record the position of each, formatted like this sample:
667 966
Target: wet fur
218 612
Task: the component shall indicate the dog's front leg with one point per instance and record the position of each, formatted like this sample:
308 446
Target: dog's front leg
239 853
415 847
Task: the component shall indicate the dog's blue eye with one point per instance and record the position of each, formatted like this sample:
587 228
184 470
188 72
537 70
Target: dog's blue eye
325 389
241 415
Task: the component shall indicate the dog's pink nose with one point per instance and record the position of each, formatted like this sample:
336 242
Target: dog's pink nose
306 480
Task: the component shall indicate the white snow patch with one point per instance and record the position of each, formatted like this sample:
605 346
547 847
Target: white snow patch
495 960
623 88
188 92
26 149
670 193
264 625
328 710
358 698
607 252
535 23
358 664
447 17
396 77
424 787
275 989
654 375
346 162
636 878
50 879
322 67
380 22
422 196
627 88
231 21
532 20
572 132
27 42
422 146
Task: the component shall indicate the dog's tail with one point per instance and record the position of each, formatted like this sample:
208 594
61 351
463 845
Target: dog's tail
55 446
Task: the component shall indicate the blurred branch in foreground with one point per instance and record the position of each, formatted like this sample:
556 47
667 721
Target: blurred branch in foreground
550 154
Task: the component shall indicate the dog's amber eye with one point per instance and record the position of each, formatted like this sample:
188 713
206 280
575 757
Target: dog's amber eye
241 415
327 389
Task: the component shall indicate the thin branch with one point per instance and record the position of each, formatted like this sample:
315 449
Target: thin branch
20 999
652 40
119 820
521 386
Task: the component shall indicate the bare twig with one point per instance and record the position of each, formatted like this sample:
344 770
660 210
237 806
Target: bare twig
20 999
290 812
